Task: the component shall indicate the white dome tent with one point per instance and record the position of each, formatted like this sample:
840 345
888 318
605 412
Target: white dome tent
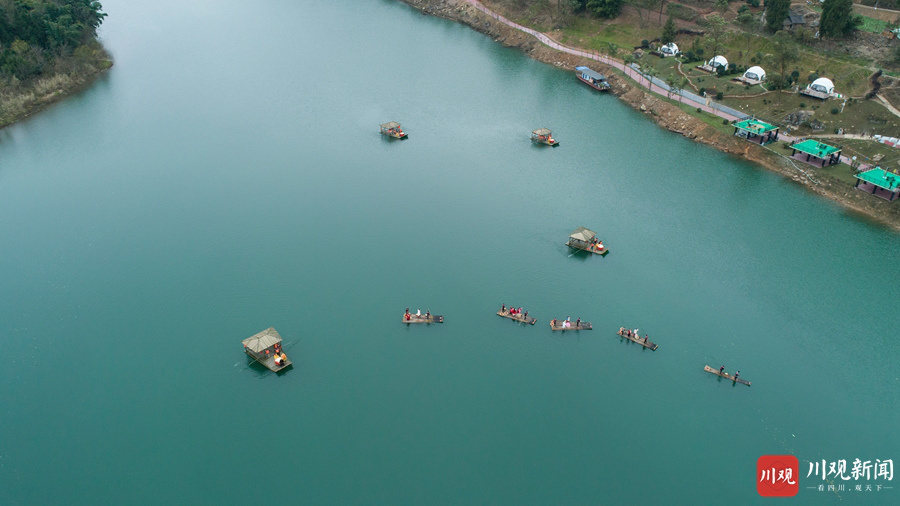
822 85
670 49
755 73
718 61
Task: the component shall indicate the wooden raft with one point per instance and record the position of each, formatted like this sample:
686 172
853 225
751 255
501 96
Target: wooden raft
640 341
560 326
725 375
517 317
269 362
435 318
590 248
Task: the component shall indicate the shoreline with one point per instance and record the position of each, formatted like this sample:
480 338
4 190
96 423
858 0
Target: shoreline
49 90
667 115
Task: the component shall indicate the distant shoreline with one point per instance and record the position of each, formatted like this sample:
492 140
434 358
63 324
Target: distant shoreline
28 99
667 115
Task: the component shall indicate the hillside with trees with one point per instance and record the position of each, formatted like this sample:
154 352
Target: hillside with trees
48 48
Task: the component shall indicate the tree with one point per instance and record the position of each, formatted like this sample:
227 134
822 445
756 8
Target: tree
668 32
716 30
642 6
651 72
671 82
784 51
682 85
722 5
838 19
604 8
776 11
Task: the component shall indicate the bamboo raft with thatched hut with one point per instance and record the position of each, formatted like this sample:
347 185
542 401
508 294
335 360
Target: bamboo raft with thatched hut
635 337
544 136
519 317
725 375
586 240
567 325
265 348
392 129
422 318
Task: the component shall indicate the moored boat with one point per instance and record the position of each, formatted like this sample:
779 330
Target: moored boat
593 79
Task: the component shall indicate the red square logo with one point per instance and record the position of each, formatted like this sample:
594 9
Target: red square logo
777 475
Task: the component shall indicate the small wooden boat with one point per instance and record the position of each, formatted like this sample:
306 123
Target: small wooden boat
567 325
586 240
517 317
263 347
392 129
422 318
642 342
725 375
593 79
544 136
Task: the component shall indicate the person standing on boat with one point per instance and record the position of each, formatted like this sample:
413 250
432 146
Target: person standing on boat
418 312
736 375
525 315
578 322
646 337
427 314
721 370
503 307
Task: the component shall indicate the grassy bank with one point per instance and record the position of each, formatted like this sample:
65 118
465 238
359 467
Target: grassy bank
66 76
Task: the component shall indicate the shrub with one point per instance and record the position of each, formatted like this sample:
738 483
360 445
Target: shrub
812 77
724 121
719 95
753 3
802 105
699 110
835 111
701 91
645 43
744 8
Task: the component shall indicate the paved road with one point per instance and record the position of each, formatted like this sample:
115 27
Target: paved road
655 85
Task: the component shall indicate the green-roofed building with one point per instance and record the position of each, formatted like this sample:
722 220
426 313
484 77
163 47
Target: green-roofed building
883 184
814 149
753 129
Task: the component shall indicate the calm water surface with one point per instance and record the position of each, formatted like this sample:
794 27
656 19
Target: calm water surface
227 175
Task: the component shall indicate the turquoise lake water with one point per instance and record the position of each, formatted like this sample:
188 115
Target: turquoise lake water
227 175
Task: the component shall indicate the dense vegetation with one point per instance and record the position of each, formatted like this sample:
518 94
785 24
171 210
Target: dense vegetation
34 33
48 48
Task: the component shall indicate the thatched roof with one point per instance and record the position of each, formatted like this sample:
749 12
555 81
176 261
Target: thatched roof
541 131
583 234
265 339
390 124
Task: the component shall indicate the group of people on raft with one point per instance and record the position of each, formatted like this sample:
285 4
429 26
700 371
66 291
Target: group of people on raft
516 312
280 357
567 324
722 373
633 333
407 316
